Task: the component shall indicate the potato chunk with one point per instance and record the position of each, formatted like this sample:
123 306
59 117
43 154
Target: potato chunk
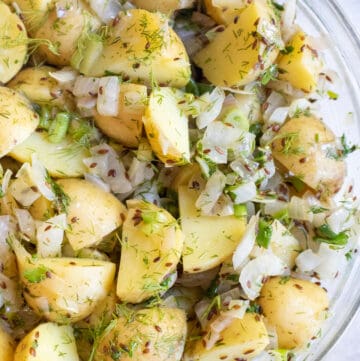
63 290
17 119
153 334
224 11
48 341
301 67
152 243
92 213
237 56
243 338
164 6
142 48
301 147
62 160
209 240
167 126
296 308
6 346
127 126
13 43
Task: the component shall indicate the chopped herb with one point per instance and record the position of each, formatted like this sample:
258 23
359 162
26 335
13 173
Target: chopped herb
59 127
240 210
36 275
215 305
270 73
347 149
264 234
62 200
287 50
297 183
213 291
318 209
284 280
254 308
326 235
332 95
348 255
278 6
198 88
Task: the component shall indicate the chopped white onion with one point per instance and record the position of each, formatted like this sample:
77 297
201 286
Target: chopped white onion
288 20
9 294
148 191
94 179
244 192
211 107
6 180
65 75
26 222
108 96
275 207
274 101
213 190
39 175
299 209
254 272
279 115
86 86
49 235
246 244
307 261
86 106
24 193
139 172
340 220
106 10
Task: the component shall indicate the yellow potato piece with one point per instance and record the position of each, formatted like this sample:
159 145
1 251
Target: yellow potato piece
167 126
6 346
127 126
48 341
236 56
62 160
92 213
17 119
299 147
243 338
63 290
296 308
152 243
224 11
164 6
13 43
64 32
152 334
209 240
301 67
142 48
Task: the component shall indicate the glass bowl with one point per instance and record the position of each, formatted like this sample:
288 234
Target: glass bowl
326 19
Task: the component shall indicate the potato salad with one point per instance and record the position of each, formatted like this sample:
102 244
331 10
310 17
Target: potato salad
168 188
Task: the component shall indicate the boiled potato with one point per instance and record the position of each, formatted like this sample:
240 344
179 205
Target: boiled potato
126 127
63 289
92 213
34 13
167 126
48 341
296 308
65 31
17 119
153 334
42 209
152 243
236 56
62 160
13 43
299 147
224 11
142 48
37 85
243 338
7 346
301 67
209 240
164 6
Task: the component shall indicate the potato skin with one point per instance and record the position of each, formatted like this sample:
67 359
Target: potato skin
299 148
92 213
17 119
153 334
13 43
295 308
6 346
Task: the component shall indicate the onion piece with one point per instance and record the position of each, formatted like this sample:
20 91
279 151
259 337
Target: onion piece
86 86
340 220
307 261
65 75
299 209
39 175
243 193
94 179
254 272
279 115
246 244
211 107
105 10
6 180
26 222
210 195
288 20
274 101
49 235
108 96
